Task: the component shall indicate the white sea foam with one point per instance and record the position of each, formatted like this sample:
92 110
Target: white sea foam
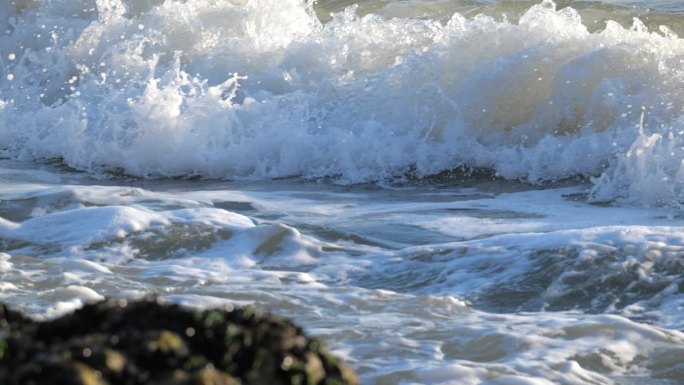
5 264
67 299
493 283
460 345
263 89
404 283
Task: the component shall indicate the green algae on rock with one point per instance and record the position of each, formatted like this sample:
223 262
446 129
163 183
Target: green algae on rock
147 342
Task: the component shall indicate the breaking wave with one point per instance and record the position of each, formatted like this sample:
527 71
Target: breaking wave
264 89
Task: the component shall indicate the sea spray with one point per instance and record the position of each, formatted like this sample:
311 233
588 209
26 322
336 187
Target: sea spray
257 89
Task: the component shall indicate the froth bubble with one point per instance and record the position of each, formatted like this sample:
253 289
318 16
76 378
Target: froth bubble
10 77
12 56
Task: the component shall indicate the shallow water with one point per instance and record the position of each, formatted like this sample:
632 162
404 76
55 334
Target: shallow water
460 281
449 192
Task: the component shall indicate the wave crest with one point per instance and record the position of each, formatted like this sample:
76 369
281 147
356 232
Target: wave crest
255 89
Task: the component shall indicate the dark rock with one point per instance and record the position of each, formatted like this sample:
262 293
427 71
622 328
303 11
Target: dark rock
116 342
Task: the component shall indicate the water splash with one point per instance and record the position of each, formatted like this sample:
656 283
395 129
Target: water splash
262 89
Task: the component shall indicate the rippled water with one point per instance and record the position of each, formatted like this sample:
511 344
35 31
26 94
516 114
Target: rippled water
449 192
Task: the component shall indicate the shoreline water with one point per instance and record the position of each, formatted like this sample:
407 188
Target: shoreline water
421 266
445 198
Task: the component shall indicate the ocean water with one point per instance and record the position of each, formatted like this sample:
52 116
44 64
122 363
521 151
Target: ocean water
447 191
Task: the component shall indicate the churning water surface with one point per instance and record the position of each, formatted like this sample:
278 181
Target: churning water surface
449 192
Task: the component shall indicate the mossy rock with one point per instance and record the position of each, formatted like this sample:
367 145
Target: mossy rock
117 342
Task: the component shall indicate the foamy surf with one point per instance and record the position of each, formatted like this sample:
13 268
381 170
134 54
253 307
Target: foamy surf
257 89
523 225
480 283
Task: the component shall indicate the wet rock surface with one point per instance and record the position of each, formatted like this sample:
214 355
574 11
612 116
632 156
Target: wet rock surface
146 342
